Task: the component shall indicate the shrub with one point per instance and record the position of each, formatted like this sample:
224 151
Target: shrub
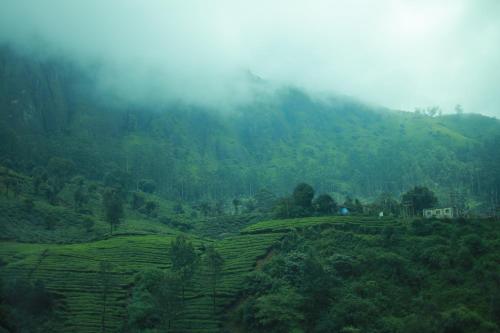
147 185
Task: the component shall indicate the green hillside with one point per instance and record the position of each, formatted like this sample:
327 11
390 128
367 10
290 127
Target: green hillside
418 249
357 275
120 216
284 136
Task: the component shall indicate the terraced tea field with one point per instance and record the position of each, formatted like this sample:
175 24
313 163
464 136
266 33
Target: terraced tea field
73 271
286 225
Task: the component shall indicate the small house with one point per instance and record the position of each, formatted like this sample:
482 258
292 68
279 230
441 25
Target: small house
440 213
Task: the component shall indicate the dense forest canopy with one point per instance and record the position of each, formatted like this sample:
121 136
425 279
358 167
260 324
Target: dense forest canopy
284 136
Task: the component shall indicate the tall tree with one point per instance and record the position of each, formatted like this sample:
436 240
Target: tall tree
156 301
184 260
236 205
214 262
284 208
80 194
279 311
420 197
325 205
167 298
113 207
303 195
60 170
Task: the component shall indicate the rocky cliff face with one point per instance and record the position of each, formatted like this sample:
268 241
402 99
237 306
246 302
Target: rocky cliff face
35 96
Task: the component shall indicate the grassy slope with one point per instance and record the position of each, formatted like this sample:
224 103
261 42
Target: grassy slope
60 223
46 223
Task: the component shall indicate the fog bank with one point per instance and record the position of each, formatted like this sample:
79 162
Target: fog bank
400 54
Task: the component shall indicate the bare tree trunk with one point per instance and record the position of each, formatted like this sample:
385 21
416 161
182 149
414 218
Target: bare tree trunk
214 286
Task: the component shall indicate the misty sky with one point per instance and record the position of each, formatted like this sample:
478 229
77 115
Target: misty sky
400 54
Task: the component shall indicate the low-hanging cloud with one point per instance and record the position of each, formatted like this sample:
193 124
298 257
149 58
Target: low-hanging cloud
400 54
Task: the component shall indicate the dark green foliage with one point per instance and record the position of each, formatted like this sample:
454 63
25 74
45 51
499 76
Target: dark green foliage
88 224
345 266
118 180
28 205
419 198
113 207
32 298
184 260
178 209
25 306
137 200
80 194
40 177
11 185
462 320
218 208
250 205
211 208
205 208
105 280
474 244
495 307
147 185
236 205
150 208
422 227
60 169
225 225
214 262
176 223
354 206
429 276
50 192
325 205
285 208
302 196
265 200
386 203
301 204
279 311
156 301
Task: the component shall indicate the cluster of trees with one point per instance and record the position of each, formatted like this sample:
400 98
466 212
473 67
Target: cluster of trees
159 296
25 306
419 198
421 278
303 203
11 182
431 111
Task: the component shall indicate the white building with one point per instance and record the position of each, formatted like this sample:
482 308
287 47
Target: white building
440 213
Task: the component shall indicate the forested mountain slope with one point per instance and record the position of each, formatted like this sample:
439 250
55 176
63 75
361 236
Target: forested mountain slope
50 107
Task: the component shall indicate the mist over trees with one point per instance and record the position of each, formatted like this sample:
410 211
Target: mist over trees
355 149
212 188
